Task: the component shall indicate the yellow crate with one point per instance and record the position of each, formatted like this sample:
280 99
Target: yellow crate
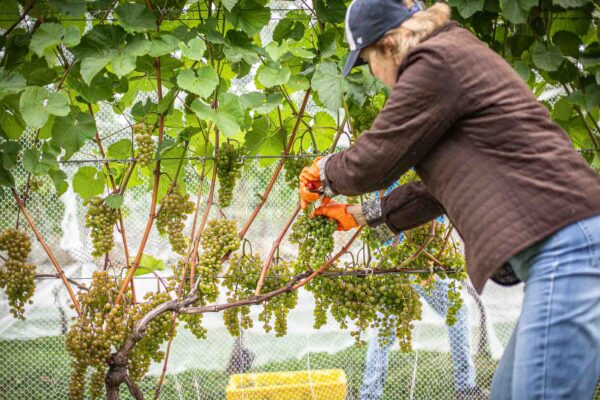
324 384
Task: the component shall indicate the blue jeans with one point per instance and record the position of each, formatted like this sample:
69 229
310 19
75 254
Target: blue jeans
464 369
554 351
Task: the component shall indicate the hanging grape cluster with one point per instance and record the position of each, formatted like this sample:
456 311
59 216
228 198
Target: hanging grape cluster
145 145
387 301
293 167
314 237
104 326
363 119
101 218
240 281
17 277
35 184
175 208
219 238
229 169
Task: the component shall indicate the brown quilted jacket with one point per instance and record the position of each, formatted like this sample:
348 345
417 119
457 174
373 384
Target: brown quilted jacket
488 154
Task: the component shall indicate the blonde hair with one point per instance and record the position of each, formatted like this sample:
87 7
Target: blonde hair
401 40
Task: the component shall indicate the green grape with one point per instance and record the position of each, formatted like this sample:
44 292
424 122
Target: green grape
240 281
219 238
145 145
293 166
101 218
104 326
314 237
229 164
17 277
175 208
364 118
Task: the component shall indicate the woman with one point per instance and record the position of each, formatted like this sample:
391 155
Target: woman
492 160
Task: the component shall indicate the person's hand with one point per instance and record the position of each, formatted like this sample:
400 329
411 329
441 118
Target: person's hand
339 212
309 182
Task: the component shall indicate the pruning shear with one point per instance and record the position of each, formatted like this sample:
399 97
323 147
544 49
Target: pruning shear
313 187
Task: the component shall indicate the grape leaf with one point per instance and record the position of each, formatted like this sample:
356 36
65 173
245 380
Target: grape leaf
135 17
263 139
47 36
120 150
9 154
59 178
124 61
516 11
467 8
69 8
10 83
88 182
194 49
546 59
71 132
165 44
9 9
37 104
570 3
6 178
39 163
91 65
273 74
332 11
522 69
568 43
149 264
114 200
249 16
202 82
327 82
324 128
12 124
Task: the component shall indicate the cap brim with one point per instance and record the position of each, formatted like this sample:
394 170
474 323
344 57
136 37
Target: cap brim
353 61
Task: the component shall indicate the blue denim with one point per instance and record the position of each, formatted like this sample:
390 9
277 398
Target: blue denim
554 351
464 369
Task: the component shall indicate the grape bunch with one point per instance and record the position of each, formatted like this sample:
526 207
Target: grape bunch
314 237
219 238
175 207
229 165
17 277
145 145
364 117
293 166
240 281
101 218
387 301
105 326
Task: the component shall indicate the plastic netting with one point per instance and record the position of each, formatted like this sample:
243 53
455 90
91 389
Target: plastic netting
34 363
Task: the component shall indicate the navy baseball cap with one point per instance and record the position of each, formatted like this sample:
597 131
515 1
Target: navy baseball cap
368 20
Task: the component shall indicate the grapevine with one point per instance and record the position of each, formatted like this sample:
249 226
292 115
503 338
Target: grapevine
103 326
145 145
175 207
293 166
101 218
240 281
364 117
314 237
17 277
219 238
229 164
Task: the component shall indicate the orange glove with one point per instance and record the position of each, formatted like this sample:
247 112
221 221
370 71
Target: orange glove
338 212
309 182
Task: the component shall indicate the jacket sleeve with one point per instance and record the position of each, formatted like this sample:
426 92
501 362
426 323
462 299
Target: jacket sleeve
423 104
406 207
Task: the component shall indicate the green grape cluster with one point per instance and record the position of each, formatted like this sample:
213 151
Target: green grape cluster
240 281
219 238
314 237
101 218
363 119
175 207
17 277
145 145
293 166
386 301
103 327
229 169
